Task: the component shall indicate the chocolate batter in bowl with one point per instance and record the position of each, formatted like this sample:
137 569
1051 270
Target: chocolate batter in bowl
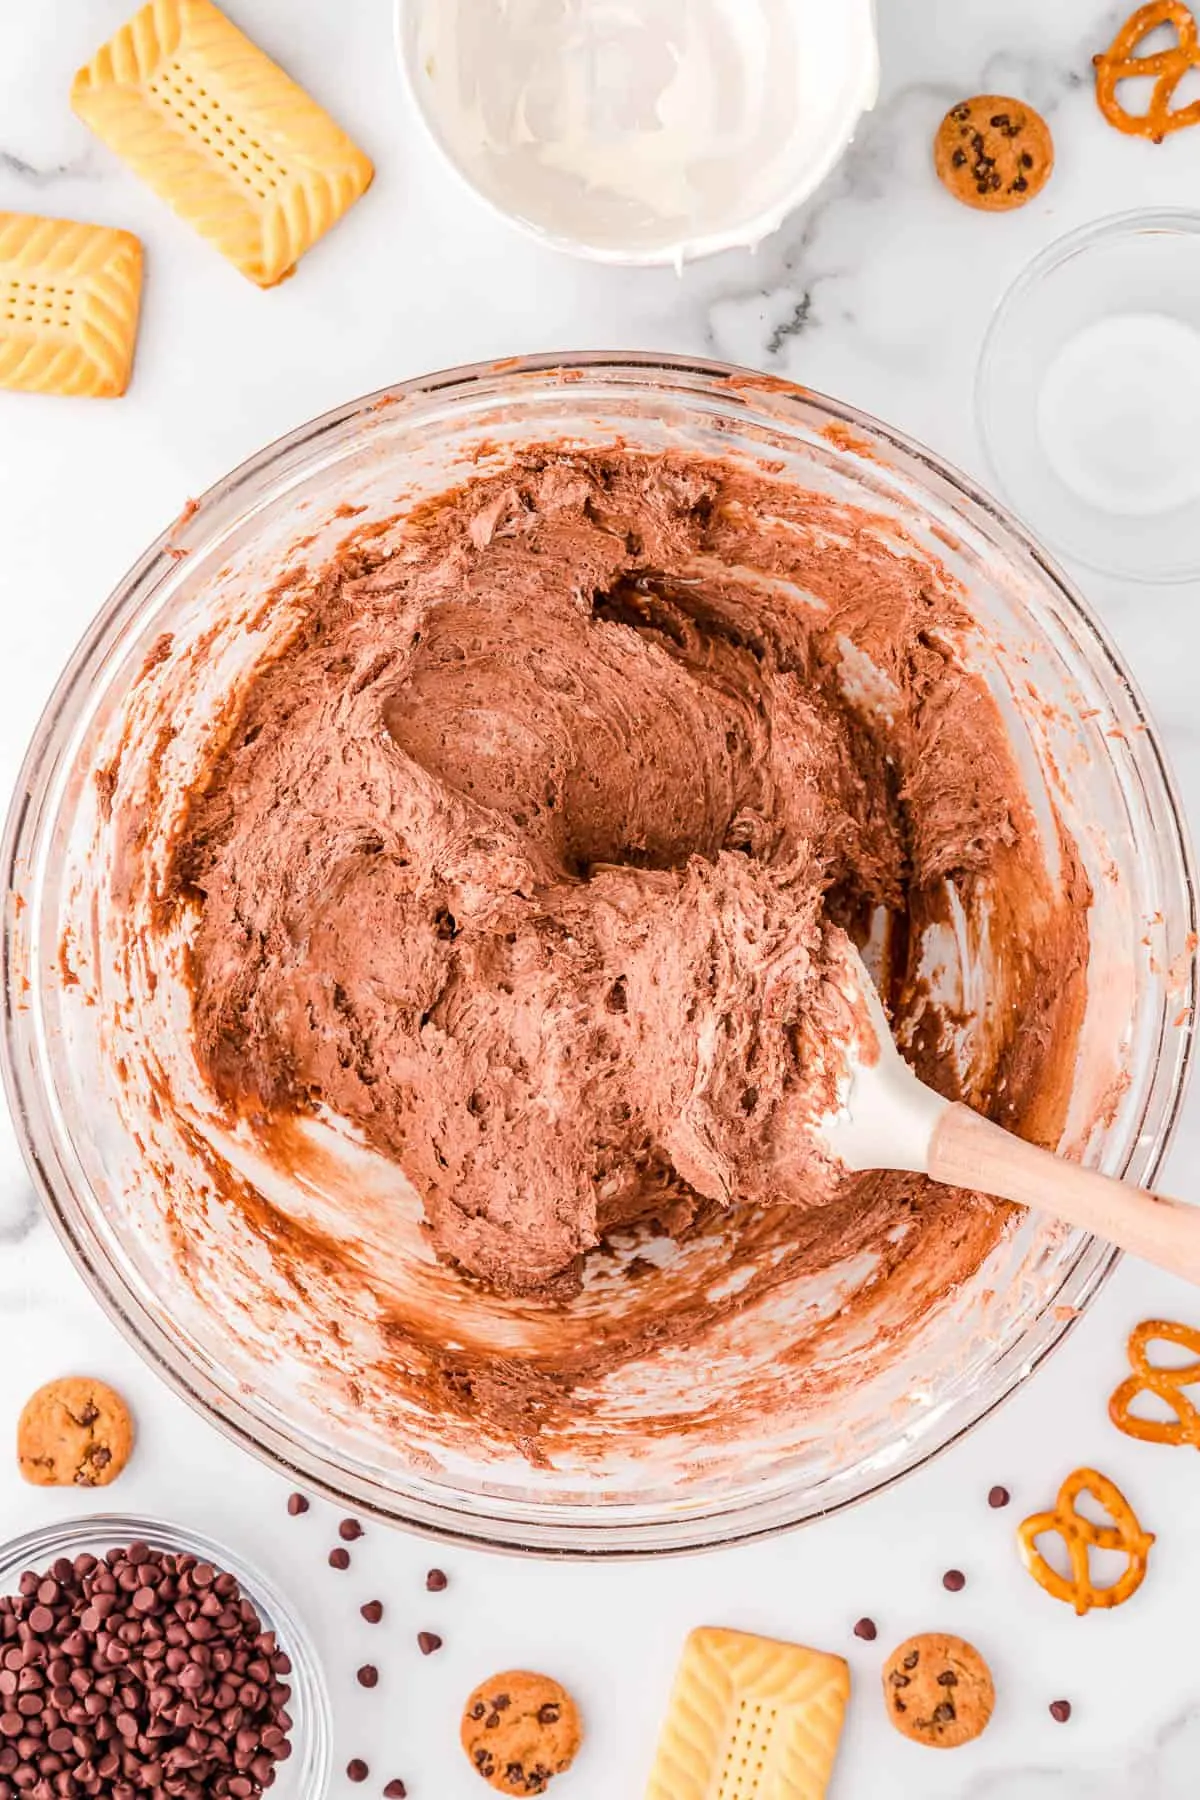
424 891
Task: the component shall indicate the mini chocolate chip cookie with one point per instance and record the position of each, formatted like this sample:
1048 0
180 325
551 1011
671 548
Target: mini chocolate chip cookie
938 1690
993 153
75 1432
520 1730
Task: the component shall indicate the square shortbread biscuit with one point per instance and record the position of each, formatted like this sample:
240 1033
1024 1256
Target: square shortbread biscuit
216 128
750 1717
69 300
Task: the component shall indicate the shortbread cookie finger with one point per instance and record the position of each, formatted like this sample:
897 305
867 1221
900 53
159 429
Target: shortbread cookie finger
216 128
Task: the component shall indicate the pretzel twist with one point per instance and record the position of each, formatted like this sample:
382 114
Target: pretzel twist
1168 67
1168 1384
1081 1536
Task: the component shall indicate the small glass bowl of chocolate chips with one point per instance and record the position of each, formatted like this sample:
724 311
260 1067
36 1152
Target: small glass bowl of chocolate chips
140 1661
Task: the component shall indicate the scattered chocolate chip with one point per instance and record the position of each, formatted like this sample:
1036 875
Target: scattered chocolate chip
395 1790
898 1680
998 1496
943 1712
549 1714
478 1710
372 1612
1060 1710
959 159
350 1530
429 1641
368 1676
867 1630
297 1504
491 1722
357 1769
912 1659
502 1702
947 1678
1026 160
954 1581
437 1581
339 1559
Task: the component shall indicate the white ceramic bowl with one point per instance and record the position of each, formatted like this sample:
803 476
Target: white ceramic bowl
641 131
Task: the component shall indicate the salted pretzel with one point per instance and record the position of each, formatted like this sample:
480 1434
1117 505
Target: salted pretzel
1168 1384
1081 1536
1168 67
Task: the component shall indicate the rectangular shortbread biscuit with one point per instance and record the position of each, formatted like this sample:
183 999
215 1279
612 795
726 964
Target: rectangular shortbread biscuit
216 128
69 298
750 1719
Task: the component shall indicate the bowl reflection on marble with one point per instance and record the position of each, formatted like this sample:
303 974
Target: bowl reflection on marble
663 1458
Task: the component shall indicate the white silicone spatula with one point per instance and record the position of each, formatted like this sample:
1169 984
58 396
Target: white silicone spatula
886 1118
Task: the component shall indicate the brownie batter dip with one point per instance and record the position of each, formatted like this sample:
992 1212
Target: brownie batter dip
520 861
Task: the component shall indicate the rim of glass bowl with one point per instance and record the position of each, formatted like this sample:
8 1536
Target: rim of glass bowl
306 1774
724 391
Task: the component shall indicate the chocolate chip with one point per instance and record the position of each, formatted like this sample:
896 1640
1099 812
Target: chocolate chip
429 1641
485 1762
357 1769
947 1678
368 1676
549 1714
118 1697
350 1530
372 1612
395 1790
911 1660
999 1496
339 1559
1026 160
943 1712
898 1680
437 1581
867 1630
491 1722
954 1581
1060 1710
502 1702
297 1504
478 1710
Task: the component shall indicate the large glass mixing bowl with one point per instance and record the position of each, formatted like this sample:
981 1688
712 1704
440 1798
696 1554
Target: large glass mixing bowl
1080 734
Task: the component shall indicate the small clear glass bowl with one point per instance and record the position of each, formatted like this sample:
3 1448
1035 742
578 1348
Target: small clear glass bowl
262 1372
305 1774
1088 390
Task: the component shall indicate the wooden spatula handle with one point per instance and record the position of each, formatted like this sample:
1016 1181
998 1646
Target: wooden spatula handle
971 1152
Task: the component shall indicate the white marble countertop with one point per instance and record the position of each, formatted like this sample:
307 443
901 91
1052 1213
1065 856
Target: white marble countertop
878 292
